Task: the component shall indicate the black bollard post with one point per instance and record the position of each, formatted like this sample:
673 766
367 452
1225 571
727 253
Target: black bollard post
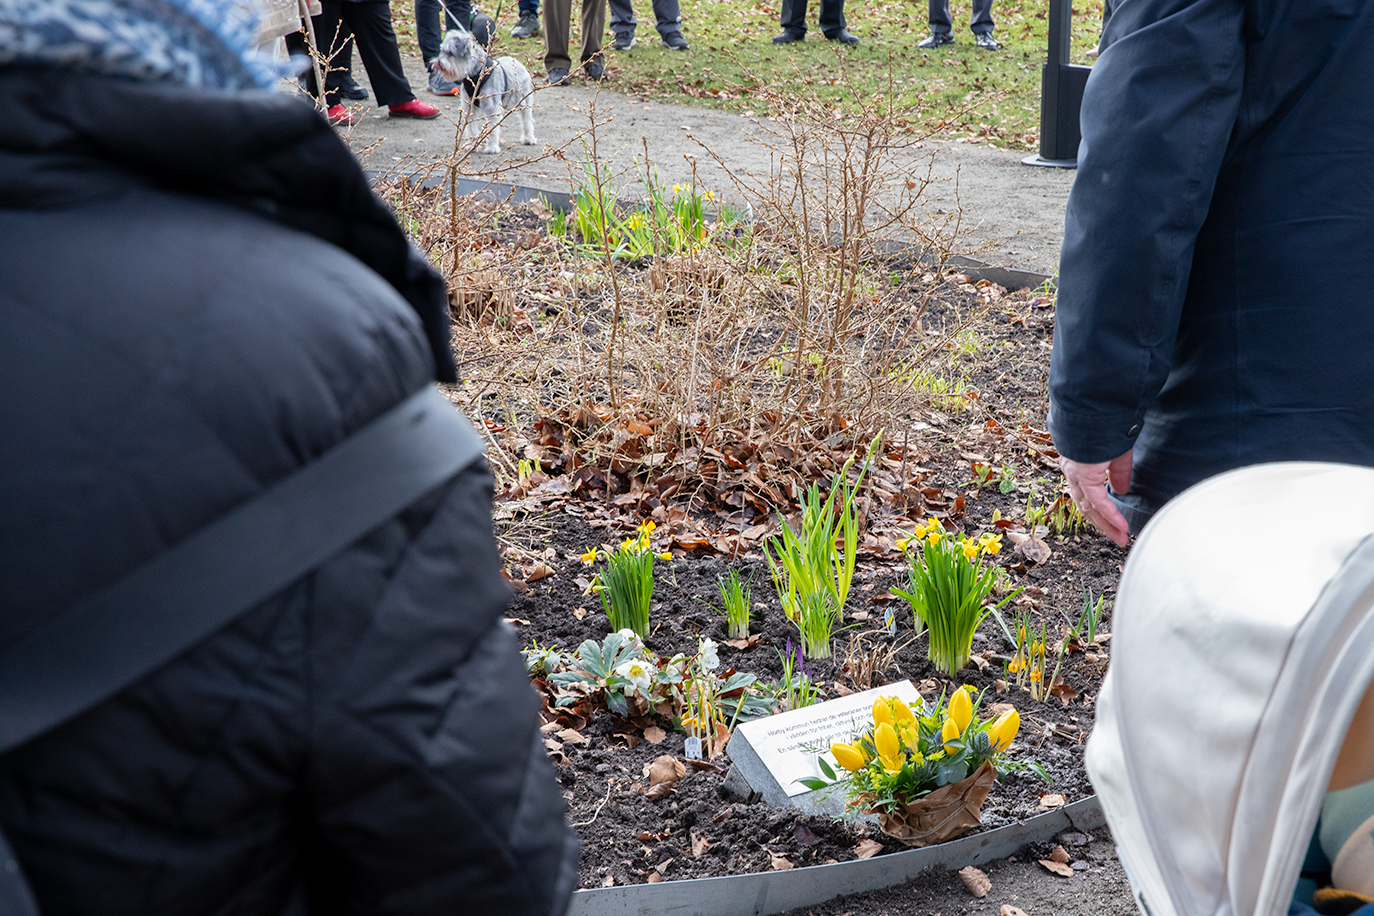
1061 95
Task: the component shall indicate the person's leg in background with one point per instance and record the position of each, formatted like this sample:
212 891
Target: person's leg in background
623 24
941 27
483 28
370 21
668 21
429 35
557 23
593 30
528 24
326 26
793 20
982 25
833 24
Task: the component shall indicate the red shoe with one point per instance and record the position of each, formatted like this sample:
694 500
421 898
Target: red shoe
340 116
414 109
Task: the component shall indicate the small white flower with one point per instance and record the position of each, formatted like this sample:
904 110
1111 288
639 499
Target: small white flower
637 672
710 661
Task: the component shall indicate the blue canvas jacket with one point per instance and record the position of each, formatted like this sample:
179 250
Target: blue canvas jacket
1218 262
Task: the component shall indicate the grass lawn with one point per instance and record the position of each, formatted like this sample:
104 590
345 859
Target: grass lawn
732 53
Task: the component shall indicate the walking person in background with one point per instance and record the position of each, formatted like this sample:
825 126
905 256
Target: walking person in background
453 14
558 26
527 26
201 300
668 20
942 26
832 23
370 23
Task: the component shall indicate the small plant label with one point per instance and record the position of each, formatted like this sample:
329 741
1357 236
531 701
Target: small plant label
786 744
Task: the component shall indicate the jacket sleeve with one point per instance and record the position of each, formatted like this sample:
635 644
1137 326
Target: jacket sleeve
1157 115
431 786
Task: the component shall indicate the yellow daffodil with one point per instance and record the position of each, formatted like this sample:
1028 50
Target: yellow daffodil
665 555
948 734
590 556
1004 729
648 526
911 738
709 195
903 543
990 543
882 713
889 748
847 757
934 526
970 548
933 538
960 711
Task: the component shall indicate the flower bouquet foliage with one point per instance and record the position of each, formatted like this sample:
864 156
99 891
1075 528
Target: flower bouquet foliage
949 581
924 772
626 585
811 571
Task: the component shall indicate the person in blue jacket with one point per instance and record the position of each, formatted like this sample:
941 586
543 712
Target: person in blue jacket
1218 251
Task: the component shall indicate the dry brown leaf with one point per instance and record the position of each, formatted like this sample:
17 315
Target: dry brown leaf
608 881
1033 548
976 880
579 612
1050 802
1064 692
779 863
538 571
662 867
516 620
699 844
553 745
571 736
1060 854
1059 868
666 770
659 792
867 849
1009 910
654 735
654 878
746 642
997 709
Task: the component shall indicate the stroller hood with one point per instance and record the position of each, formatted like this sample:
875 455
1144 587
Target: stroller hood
1242 642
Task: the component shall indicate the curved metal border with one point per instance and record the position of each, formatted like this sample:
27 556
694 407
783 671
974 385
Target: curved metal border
779 891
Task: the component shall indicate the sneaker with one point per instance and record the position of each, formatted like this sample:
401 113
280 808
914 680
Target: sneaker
985 41
844 38
675 42
414 109
595 69
340 116
624 41
527 27
349 88
787 36
558 76
936 40
439 85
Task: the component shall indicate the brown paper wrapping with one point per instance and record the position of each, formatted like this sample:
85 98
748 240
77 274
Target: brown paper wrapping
944 814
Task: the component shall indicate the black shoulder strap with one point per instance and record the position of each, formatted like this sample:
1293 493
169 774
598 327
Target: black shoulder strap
110 640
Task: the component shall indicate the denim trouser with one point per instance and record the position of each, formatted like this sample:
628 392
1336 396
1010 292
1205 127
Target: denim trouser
940 23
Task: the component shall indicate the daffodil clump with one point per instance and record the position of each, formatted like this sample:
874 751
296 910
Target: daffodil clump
949 582
626 585
909 753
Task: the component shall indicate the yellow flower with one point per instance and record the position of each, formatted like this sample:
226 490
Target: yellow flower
948 734
709 195
900 711
848 757
1004 729
590 556
629 544
1015 665
648 526
1035 675
933 538
960 711
903 543
665 555
990 543
911 738
970 549
934 526
889 748
882 713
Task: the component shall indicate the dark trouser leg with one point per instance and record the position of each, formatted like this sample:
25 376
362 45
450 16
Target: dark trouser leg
529 6
427 32
370 21
483 29
982 17
832 17
622 17
342 64
667 16
939 18
557 24
593 28
794 16
327 34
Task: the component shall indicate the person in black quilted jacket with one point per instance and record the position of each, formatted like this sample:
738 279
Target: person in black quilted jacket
199 294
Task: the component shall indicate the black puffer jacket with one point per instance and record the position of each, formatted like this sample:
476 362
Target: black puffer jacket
180 326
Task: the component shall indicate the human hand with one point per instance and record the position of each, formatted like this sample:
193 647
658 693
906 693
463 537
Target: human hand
1088 487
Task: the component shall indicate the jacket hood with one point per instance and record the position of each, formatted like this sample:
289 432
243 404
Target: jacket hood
66 138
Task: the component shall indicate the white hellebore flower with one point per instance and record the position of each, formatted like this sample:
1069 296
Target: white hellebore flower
637 672
710 661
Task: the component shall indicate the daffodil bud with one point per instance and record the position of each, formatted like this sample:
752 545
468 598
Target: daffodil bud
960 710
847 756
1002 731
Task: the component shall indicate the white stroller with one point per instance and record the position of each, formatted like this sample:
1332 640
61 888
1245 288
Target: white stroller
1242 643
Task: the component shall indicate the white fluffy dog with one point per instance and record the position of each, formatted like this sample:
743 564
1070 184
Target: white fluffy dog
490 85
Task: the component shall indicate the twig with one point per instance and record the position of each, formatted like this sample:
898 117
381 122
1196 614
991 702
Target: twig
609 786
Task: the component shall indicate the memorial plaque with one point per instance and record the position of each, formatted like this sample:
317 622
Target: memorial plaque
771 754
